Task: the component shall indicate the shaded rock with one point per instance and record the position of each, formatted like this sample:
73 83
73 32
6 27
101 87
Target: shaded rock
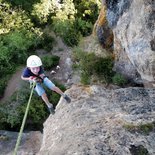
134 55
133 26
115 9
103 31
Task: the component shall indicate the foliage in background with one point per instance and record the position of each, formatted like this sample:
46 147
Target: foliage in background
70 19
18 43
15 23
46 9
67 31
26 5
50 61
85 78
75 21
14 48
12 112
42 10
3 83
104 67
5 60
13 19
83 26
90 64
18 38
46 42
119 79
87 10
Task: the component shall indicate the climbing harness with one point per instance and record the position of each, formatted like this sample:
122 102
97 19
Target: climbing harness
38 78
24 120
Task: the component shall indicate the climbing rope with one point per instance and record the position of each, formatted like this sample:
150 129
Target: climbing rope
24 120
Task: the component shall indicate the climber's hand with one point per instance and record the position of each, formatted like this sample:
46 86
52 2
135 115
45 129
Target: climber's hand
32 78
38 80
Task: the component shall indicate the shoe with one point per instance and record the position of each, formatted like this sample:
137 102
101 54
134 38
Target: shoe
51 110
67 98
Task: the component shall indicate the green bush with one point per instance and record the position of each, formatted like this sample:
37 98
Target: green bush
119 79
17 36
13 110
90 64
15 45
50 61
77 54
46 42
6 64
13 19
66 30
69 23
87 63
37 112
75 67
3 84
17 32
25 5
141 128
6 67
87 10
103 67
19 39
72 31
3 116
85 78
82 26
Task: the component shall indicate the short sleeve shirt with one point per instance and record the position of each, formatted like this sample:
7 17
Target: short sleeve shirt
27 72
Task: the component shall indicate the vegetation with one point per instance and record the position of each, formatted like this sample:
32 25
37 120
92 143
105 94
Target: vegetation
119 79
12 112
46 42
50 61
91 65
141 128
138 150
23 22
66 30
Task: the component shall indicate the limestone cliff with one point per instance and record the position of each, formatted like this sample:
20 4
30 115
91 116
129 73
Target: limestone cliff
133 26
99 121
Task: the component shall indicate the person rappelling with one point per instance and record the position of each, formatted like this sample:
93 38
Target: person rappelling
34 73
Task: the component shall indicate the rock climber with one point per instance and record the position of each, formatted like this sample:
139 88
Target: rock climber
34 73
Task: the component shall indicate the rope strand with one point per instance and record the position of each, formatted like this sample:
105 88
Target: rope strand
23 122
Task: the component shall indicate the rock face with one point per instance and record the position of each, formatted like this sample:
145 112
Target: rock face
97 122
133 26
30 143
102 30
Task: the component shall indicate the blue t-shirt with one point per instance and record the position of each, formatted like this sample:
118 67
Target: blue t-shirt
27 72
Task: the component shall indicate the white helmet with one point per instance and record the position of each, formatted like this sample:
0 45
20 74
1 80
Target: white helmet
33 61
